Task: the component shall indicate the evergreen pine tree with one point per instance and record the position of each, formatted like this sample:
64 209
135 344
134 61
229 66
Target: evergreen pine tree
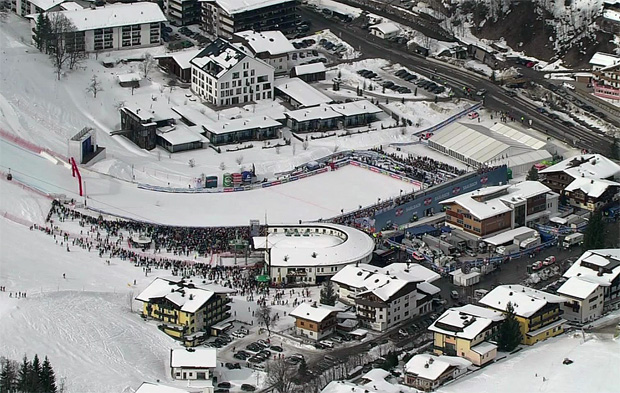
23 376
38 32
328 294
47 377
594 236
509 336
8 377
303 368
532 174
47 34
35 372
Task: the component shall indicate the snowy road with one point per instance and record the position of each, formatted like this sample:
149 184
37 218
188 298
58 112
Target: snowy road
321 196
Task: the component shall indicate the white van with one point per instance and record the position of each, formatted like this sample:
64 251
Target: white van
568 86
327 343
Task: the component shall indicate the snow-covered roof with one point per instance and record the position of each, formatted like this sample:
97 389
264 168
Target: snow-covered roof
197 358
309 68
179 134
314 113
526 301
46 4
509 236
218 57
70 6
301 92
115 15
346 387
182 58
370 277
428 288
470 144
465 323
148 387
351 276
577 288
431 367
315 314
586 165
386 28
235 6
484 348
492 207
131 77
588 265
611 15
185 298
272 42
234 125
376 374
388 290
590 186
355 108
518 136
347 245
602 59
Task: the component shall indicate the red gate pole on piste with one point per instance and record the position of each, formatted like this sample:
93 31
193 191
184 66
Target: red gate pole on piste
74 171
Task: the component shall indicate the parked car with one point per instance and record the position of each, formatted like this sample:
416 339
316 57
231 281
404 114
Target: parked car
248 388
225 385
537 265
253 347
550 260
473 115
337 339
454 295
276 348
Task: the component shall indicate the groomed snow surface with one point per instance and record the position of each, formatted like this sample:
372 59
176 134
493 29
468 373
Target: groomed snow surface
595 368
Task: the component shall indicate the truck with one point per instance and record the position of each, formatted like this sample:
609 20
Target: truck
530 242
507 250
572 239
444 246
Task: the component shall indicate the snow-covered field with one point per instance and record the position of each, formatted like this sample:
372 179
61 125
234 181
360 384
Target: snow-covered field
320 196
595 368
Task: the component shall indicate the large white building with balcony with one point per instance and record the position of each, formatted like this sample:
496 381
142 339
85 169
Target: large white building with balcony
226 74
114 26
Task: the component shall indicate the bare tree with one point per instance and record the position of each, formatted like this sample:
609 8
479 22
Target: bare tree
264 315
281 375
172 83
5 8
305 145
192 163
94 86
147 64
62 41
239 159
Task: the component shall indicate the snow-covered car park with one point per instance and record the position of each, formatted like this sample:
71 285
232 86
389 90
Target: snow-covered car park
386 79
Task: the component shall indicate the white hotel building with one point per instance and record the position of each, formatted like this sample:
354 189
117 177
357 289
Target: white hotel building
224 74
113 26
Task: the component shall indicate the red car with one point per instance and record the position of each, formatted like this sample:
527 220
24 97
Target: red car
417 256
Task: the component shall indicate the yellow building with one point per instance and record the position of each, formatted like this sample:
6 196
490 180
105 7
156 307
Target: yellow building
188 312
465 331
538 312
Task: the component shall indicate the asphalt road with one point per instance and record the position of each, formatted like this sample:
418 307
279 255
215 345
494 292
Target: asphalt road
457 78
